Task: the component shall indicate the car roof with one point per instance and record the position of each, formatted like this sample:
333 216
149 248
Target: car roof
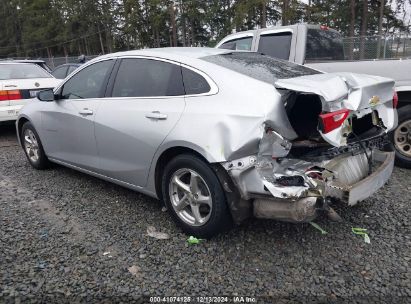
68 64
24 60
172 52
17 62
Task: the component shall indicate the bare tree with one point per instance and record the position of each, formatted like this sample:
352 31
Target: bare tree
284 13
173 25
380 19
264 14
308 11
364 24
352 28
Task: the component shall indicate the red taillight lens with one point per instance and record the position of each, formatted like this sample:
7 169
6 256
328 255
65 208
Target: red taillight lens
10 95
395 100
15 94
331 121
4 95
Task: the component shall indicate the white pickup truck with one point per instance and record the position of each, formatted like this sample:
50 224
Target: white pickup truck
322 48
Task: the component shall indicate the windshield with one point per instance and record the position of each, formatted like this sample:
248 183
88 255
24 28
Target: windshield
259 66
21 71
323 45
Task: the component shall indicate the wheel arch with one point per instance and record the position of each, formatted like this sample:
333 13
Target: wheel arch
19 125
239 209
165 157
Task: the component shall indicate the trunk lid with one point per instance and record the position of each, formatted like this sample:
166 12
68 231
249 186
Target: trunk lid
343 90
29 84
359 93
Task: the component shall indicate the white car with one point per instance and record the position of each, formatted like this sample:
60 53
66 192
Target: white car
19 82
218 135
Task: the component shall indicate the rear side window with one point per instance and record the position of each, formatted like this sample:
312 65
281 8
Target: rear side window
243 44
194 83
60 72
71 69
276 45
147 78
323 45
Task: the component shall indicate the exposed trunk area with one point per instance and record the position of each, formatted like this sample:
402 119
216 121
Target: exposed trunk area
304 113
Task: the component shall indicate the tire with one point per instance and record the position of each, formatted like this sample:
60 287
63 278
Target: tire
33 147
401 138
204 212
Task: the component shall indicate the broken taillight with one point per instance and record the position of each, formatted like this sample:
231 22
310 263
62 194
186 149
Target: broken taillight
395 100
333 120
10 95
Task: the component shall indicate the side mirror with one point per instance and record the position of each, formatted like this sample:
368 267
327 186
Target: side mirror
46 95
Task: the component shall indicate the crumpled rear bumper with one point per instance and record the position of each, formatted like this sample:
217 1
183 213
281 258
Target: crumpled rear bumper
349 183
352 194
306 209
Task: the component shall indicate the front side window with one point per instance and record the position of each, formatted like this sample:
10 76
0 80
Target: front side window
89 82
243 44
147 78
276 45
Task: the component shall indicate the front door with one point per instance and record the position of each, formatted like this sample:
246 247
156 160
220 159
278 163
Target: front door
68 123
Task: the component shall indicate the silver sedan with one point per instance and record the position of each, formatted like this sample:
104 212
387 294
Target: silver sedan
218 135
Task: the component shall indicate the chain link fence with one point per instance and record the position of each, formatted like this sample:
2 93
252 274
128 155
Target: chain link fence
377 47
54 62
355 48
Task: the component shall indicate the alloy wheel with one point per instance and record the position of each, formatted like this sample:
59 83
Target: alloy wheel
31 145
190 197
402 138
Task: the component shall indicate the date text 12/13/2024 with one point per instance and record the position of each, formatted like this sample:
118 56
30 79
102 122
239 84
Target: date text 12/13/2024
203 299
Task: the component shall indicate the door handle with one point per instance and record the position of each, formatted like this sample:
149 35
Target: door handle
86 112
156 115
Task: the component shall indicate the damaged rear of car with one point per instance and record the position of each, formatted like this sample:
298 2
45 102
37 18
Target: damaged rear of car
323 139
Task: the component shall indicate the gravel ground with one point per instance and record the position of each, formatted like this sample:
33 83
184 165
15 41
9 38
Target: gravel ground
66 236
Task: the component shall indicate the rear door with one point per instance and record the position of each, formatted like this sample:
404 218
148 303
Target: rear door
146 101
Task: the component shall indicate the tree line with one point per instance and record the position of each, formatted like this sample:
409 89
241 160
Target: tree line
39 28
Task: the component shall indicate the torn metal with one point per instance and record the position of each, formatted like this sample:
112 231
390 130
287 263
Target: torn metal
334 165
361 94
